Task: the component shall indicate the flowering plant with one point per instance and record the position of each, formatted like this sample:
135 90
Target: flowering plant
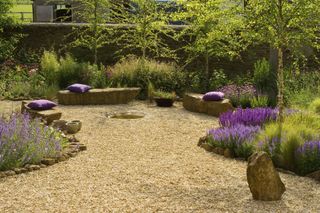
238 138
308 157
253 117
23 141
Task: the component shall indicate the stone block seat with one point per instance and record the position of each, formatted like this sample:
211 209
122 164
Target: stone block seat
98 96
194 103
48 116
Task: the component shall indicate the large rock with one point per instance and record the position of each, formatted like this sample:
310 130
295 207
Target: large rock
98 96
264 181
194 103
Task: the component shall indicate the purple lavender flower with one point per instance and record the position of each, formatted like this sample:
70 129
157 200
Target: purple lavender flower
23 140
307 157
251 117
237 137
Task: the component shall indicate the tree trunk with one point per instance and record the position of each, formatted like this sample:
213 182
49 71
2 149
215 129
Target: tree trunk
95 29
280 85
207 71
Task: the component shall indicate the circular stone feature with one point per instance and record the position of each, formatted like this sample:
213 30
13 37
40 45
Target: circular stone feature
126 115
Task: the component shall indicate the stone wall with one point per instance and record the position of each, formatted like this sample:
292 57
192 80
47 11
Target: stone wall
46 36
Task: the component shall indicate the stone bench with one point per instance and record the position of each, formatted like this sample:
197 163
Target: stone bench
98 96
48 116
194 103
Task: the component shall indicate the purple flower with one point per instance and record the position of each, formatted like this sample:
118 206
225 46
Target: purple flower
307 157
252 117
238 138
23 140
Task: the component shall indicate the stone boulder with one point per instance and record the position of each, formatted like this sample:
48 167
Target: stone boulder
194 103
263 179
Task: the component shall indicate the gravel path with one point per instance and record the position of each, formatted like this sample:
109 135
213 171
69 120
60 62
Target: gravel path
145 165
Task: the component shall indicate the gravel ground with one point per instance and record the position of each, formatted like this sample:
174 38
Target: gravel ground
151 164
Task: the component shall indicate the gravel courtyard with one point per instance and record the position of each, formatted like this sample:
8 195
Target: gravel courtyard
150 164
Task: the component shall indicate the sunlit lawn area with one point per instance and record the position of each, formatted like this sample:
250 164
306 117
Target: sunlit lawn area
22 12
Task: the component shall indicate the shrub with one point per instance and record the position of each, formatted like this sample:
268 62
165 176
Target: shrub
301 88
238 138
309 119
26 141
70 72
259 101
249 117
98 77
49 67
134 72
308 157
218 79
315 106
166 95
262 75
281 146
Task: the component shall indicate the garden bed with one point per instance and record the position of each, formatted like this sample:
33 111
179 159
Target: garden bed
241 133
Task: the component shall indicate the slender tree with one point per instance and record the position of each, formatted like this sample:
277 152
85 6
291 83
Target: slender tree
96 34
212 30
285 25
143 28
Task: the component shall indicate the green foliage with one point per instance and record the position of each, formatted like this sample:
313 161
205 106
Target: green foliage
66 70
218 79
8 41
146 28
259 101
134 72
301 88
262 76
96 35
70 71
49 67
165 95
98 76
315 106
151 91
211 31
309 119
282 145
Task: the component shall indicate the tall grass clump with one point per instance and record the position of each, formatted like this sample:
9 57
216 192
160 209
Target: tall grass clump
315 106
50 66
26 141
282 146
135 72
71 71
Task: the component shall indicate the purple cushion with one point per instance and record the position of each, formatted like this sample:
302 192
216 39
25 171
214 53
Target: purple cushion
213 96
78 88
41 104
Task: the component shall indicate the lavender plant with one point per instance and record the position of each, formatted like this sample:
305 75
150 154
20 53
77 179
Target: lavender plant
308 157
248 117
238 138
26 141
